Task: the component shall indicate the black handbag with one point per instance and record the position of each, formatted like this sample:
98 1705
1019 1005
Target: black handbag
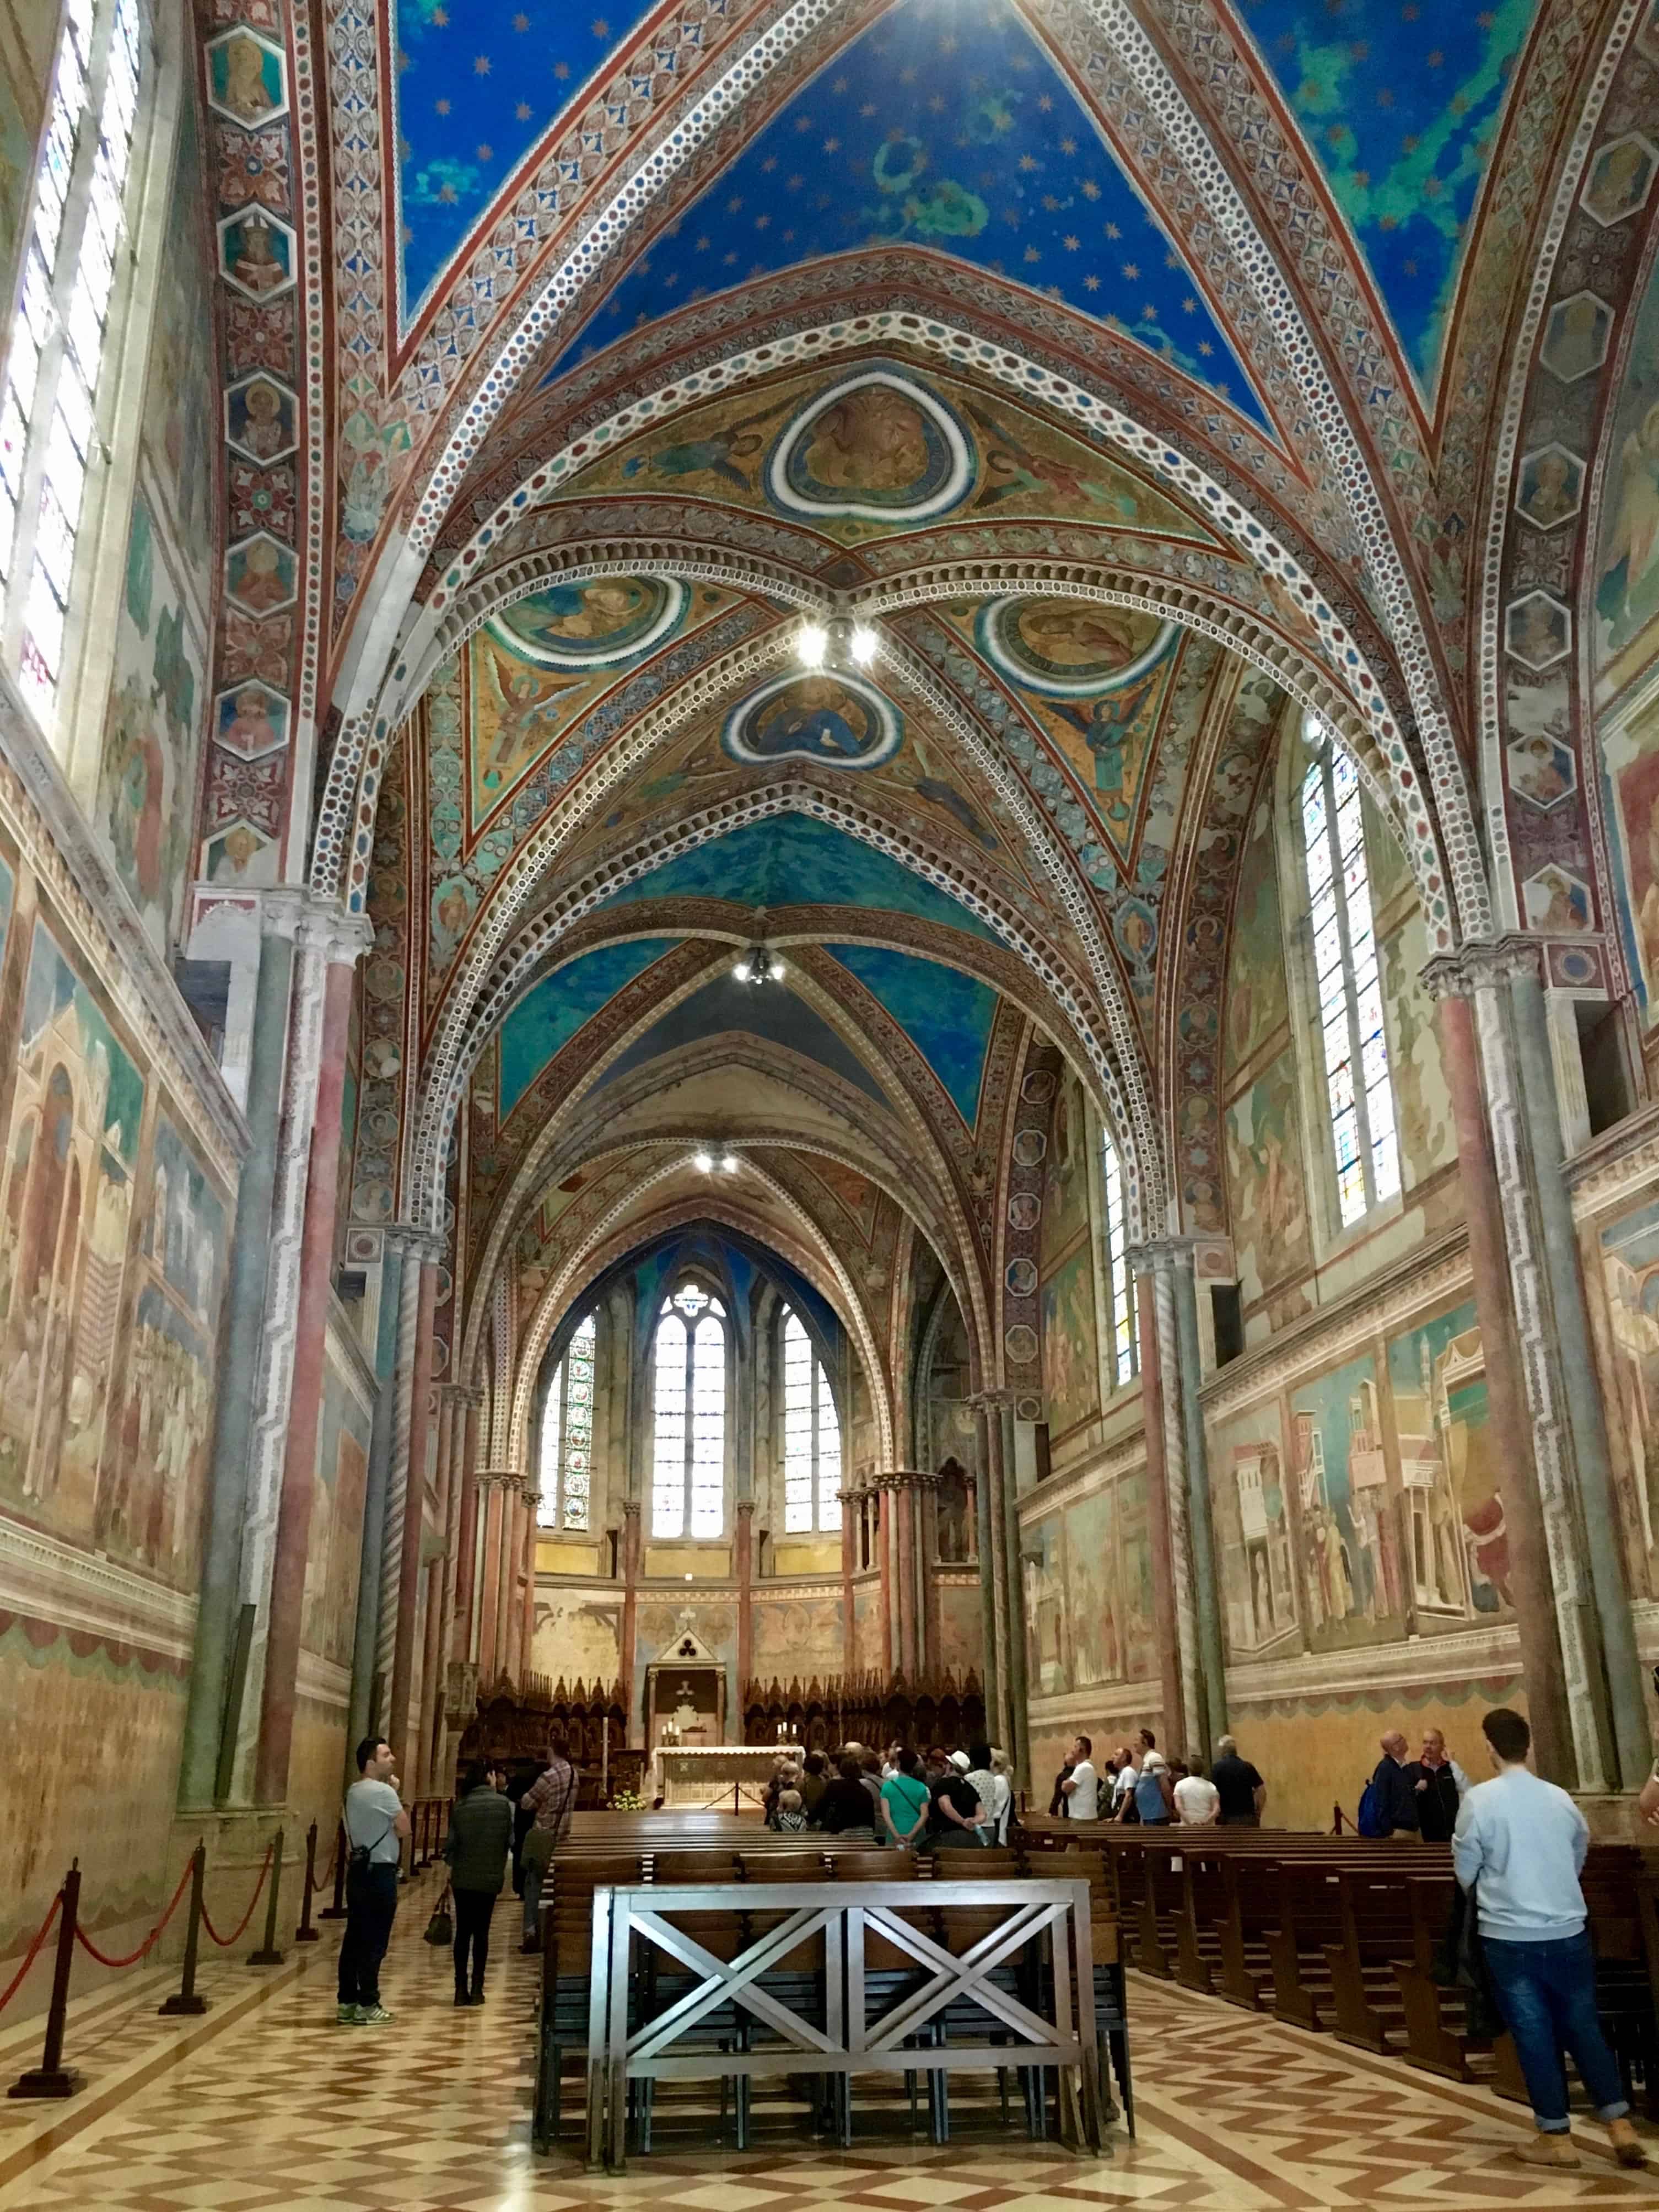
441 1928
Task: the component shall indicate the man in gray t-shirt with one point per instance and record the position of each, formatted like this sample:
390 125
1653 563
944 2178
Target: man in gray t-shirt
376 1824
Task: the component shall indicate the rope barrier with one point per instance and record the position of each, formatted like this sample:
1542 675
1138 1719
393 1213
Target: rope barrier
34 1952
318 1888
225 1942
148 1943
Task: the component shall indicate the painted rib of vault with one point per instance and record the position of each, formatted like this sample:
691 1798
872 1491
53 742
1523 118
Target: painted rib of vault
946 1015
946 127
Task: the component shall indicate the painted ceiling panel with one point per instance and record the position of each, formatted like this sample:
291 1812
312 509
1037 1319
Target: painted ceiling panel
546 1018
1400 101
778 1016
946 1015
946 127
479 81
794 860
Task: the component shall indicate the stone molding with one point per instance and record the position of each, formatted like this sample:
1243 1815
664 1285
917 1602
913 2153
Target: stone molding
1482 964
54 1581
1460 1656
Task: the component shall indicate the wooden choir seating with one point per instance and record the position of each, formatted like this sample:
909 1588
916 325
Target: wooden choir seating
1339 1934
718 1851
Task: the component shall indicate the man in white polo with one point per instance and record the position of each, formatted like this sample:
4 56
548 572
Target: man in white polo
1082 1784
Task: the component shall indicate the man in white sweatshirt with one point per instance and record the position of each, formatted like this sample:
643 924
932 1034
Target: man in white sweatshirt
1519 1843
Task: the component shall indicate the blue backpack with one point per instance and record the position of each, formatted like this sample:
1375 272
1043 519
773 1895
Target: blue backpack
1371 1819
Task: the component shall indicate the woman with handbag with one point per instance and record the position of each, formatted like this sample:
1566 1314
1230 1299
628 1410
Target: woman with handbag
480 1830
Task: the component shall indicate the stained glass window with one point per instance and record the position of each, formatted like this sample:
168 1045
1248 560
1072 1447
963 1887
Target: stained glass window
1125 1348
1359 1088
77 224
567 1477
811 1437
687 1484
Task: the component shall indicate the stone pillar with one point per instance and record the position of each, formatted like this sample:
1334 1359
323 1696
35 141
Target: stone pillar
926 1508
532 1532
1165 1634
991 1665
743 1548
1013 1657
1212 1714
1552 1332
205 1715
1157 1259
400 1388
1506 1394
400 1718
849 1511
508 1613
901 1492
287 1572
453 1432
993 1571
468 1401
368 1694
631 1562
492 1492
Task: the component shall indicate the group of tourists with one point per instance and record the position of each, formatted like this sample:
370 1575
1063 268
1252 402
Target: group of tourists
919 1801
1136 1783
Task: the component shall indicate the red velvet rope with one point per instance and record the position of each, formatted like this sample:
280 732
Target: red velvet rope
34 1953
148 1943
327 1875
225 1942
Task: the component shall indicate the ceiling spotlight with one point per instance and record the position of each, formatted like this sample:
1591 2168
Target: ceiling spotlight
703 1163
841 644
728 1164
812 644
774 968
862 644
744 969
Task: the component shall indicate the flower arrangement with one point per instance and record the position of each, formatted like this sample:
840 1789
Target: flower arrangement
627 1800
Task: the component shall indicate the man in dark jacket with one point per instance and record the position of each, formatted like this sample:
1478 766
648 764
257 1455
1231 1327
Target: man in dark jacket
1439 1783
1396 1783
480 1833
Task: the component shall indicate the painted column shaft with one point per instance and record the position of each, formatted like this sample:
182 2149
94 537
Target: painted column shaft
466 1548
288 1576
744 1549
1014 1650
990 1667
1175 1490
366 1695
630 1566
507 1562
401 1388
1517 1478
233 1404
1212 1717
1632 1740
903 1497
1013 1717
1165 1631
494 1502
401 1720
927 1596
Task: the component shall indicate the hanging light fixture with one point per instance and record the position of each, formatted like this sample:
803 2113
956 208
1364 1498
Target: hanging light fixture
841 645
758 963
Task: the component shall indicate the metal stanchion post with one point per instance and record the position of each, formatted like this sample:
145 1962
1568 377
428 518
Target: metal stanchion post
52 2078
184 1998
268 1954
305 1933
337 1910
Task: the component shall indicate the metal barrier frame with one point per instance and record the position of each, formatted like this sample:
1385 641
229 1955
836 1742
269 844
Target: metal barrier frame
1055 1911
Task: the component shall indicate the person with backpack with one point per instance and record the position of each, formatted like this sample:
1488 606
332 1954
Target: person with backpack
475 1848
375 1825
1389 1804
1154 1789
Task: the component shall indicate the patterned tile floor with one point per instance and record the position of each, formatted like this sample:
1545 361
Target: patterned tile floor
282 2111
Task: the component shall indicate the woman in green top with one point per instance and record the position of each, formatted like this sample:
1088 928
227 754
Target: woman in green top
904 1800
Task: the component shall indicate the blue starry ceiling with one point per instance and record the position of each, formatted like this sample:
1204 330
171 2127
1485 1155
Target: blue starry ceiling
551 1014
946 1015
1401 100
479 81
943 126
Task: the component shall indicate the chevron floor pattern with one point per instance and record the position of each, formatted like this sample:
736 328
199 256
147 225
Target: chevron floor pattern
284 2111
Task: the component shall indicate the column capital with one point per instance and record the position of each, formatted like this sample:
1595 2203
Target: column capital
990 1402
418 1243
461 1394
745 1506
1145 1259
319 925
631 1508
1482 964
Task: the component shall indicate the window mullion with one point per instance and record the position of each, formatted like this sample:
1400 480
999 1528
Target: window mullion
690 1430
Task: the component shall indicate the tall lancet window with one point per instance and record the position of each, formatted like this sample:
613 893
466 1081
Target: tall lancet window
687 1487
48 409
811 1437
1358 1090
1124 1352
567 1479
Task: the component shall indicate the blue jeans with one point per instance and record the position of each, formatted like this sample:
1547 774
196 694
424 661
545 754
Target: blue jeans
1546 1994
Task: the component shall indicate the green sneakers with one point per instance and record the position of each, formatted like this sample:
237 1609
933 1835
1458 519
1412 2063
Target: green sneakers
347 2015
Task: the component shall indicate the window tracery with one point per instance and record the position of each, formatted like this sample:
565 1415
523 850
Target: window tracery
811 1437
566 1473
687 1487
1124 1350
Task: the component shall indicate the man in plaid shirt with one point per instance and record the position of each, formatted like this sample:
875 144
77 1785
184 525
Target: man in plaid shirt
551 1799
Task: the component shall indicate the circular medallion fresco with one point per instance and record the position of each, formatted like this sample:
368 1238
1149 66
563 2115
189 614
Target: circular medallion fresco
876 446
1038 1087
1029 1147
592 625
1071 649
839 720
1024 1210
1021 1343
1021 1277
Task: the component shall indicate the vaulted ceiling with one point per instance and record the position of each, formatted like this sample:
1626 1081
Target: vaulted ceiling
1132 368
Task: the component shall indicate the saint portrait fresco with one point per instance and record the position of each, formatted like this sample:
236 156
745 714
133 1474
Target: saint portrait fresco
837 719
601 623
876 446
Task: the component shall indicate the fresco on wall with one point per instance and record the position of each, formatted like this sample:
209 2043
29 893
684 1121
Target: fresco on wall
798 1637
577 1639
149 1502
328 1621
946 1015
1265 1187
549 1014
1093 1603
1251 1514
71 1154
152 729
867 1599
1065 1173
1042 1566
1071 1360
1456 1546
1628 550
1258 1000
1630 1271
1134 1548
17 134
1354 1582
1422 1112
181 400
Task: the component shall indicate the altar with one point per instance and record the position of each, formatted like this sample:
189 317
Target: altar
715 1774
